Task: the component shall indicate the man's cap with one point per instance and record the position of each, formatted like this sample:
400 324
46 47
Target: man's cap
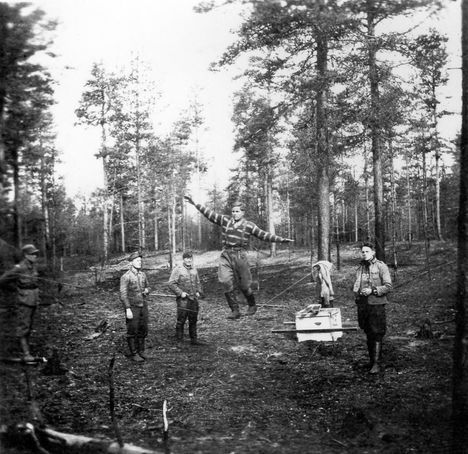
133 256
239 204
29 249
187 254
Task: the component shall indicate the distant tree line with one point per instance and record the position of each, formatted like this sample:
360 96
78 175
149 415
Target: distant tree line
335 143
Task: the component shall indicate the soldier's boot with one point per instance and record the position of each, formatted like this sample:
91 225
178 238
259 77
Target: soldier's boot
179 332
27 357
132 348
233 304
377 357
251 302
370 349
193 334
141 347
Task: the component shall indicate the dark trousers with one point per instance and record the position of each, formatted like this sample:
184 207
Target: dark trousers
187 309
372 319
137 327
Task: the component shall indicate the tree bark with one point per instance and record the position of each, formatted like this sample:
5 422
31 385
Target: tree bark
460 356
322 145
122 223
375 133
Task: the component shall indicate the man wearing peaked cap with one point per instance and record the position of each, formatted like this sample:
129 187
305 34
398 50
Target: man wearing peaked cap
25 276
133 256
133 291
29 249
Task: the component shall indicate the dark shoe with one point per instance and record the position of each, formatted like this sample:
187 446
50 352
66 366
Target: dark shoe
251 302
251 310
233 304
132 347
196 342
141 348
136 358
235 315
28 358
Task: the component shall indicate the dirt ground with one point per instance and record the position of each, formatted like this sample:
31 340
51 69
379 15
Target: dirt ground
246 390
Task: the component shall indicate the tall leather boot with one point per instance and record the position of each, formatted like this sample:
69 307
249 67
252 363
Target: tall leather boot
193 333
370 349
233 304
132 348
141 347
377 356
27 357
179 332
251 302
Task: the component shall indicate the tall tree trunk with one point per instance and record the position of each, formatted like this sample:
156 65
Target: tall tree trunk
366 192
122 223
322 145
460 355
45 212
437 164
269 207
184 226
105 242
408 203
425 214
375 133
173 226
156 232
17 232
393 205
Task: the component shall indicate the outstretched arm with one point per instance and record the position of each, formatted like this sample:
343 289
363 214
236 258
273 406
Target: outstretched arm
267 236
211 215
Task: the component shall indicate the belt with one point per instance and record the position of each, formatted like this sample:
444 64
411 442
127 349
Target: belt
234 248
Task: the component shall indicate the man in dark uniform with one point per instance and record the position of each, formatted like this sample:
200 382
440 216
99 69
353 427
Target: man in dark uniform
185 283
371 286
25 276
133 291
233 264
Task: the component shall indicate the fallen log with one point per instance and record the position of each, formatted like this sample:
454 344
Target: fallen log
51 441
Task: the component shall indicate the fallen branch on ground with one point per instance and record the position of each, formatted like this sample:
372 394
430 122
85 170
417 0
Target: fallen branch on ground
52 441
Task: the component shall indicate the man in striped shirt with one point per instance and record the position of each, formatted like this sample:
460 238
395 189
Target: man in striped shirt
233 263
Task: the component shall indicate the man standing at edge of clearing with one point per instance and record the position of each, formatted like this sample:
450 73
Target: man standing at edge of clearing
133 291
185 283
233 264
371 286
25 276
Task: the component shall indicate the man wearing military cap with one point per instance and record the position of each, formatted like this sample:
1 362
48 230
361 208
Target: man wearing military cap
25 277
133 291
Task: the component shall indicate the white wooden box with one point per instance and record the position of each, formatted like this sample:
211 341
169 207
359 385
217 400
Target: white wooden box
317 318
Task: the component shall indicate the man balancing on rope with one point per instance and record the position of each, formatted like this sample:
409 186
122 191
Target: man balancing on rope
233 264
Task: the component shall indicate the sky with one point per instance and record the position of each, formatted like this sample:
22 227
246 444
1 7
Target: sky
179 45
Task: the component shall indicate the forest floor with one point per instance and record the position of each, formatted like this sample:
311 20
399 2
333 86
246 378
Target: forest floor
246 390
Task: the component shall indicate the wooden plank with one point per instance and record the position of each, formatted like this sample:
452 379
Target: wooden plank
320 330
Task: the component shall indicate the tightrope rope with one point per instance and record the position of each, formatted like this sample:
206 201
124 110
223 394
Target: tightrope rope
286 289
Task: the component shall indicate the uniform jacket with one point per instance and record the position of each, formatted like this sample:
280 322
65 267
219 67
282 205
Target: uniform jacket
132 285
186 280
25 276
375 275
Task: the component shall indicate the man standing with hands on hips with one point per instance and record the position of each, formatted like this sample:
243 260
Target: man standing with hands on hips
133 291
233 264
